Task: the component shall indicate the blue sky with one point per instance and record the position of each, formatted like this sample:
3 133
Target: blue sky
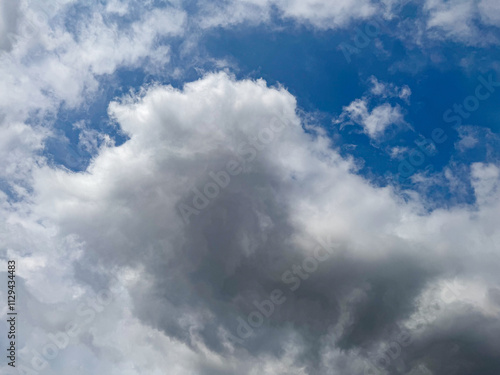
268 187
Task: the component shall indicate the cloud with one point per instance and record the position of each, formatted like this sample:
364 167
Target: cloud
320 14
324 14
463 21
389 90
467 139
376 121
47 67
485 181
9 13
489 10
397 151
69 64
182 288
379 118
478 139
19 144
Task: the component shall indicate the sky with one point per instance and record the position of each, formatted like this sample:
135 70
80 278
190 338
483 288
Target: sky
254 187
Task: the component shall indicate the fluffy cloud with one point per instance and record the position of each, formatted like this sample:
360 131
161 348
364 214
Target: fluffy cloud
380 117
69 65
46 67
181 288
375 121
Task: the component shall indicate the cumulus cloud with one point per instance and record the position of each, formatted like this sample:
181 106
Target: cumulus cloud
375 119
226 235
360 269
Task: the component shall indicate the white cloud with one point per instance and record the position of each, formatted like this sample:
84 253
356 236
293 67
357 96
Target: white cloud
381 117
325 14
118 6
453 18
19 144
389 90
467 140
485 181
375 121
67 67
479 140
321 14
47 66
460 20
